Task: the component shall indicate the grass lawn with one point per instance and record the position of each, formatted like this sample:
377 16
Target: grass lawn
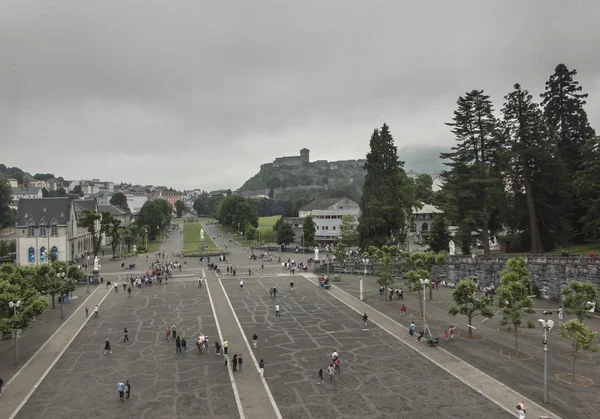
581 249
264 224
191 239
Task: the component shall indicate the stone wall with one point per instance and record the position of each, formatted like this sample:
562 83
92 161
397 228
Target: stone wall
547 272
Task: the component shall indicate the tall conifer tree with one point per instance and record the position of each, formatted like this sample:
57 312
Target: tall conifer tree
387 198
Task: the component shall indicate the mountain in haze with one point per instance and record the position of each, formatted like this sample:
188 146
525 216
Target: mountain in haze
423 159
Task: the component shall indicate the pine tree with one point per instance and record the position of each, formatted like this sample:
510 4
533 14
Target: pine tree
387 194
563 105
589 187
439 236
535 174
474 163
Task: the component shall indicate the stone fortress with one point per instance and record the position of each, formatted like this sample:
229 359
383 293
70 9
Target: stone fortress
303 160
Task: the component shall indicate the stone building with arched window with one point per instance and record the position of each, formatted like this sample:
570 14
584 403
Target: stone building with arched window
422 219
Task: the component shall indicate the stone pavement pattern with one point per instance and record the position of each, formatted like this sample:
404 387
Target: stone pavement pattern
567 400
379 378
163 384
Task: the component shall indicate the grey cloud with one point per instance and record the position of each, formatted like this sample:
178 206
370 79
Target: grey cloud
154 87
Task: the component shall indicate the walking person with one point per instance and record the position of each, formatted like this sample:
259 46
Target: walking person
177 345
116 287
521 411
107 348
174 331
403 310
206 344
292 285
255 340
127 390
124 286
184 345
277 310
225 346
241 284
217 347
274 292
125 334
199 282
129 291
168 333
1 384
320 376
234 361
96 311
261 368
87 311
411 329
331 371
121 389
365 319
452 332
240 361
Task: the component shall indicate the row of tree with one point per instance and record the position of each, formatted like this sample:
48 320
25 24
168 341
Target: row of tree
533 170
29 285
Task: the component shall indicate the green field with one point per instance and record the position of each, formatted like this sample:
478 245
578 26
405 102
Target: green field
191 239
581 249
264 224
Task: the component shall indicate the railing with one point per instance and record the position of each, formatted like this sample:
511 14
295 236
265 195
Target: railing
529 258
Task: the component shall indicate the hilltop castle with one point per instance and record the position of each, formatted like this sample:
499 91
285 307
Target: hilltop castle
303 160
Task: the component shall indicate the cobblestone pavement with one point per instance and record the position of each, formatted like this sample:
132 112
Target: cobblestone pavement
380 377
164 384
32 338
524 376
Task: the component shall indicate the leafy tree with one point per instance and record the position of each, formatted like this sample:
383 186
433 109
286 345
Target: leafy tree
582 337
414 278
43 176
236 212
269 236
61 192
119 200
6 218
468 304
387 194
385 257
576 300
115 232
228 192
474 163
45 193
77 190
285 234
347 238
155 215
424 188
278 224
563 105
513 295
439 235
271 193
535 175
130 235
15 286
423 261
309 229
179 208
97 225
251 232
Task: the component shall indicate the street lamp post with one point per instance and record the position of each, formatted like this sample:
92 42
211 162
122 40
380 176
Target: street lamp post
88 282
424 283
14 306
61 277
547 325
362 287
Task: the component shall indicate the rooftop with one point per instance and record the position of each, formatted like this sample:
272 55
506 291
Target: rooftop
428 209
25 190
37 209
112 209
323 204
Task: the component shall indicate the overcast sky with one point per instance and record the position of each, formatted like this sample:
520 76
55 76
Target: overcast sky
197 94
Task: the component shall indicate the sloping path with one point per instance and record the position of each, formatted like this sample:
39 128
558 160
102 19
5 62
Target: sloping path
485 385
252 389
20 388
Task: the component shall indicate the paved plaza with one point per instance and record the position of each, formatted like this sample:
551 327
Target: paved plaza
164 385
379 377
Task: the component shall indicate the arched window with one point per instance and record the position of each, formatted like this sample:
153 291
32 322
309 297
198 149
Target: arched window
43 255
55 252
424 228
31 255
54 230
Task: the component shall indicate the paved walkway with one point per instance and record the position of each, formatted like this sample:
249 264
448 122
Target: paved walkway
487 386
25 381
254 394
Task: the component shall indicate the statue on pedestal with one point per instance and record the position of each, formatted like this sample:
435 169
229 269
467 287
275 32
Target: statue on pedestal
452 248
134 248
316 253
201 234
96 263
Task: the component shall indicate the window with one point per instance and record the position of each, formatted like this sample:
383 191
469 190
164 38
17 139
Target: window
42 231
31 232
54 230
334 227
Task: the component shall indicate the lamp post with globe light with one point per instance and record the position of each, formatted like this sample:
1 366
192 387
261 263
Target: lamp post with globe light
424 283
61 276
14 306
547 325
362 287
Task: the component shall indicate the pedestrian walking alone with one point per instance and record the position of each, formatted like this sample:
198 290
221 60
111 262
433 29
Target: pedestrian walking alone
121 389
225 346
107 348
320 376
365 320
261 368
129 291
240 361
292 285
96 311
255 340
177 345
87 311
234 361
174 331
241 284
217 347
116 287
127 390
274 292
125 334
183 345
331 371
277 310
168 333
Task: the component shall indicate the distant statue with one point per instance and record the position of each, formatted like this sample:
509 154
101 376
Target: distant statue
134 248
96 263
201 234
316 253
452 247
